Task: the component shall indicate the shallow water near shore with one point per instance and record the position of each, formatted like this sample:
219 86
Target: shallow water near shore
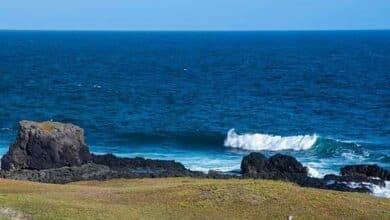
322 97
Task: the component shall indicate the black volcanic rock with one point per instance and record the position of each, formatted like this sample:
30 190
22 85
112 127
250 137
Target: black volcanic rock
364 170
286 164
276 167
54 152
46 145
253 163
89 171
282 167
141 165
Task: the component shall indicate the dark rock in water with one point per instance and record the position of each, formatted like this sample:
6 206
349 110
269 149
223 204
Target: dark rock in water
286 164
89 171
283 167
156 168
46 145
351 183
340 183
367 171
354 179
358 178
53 152
253 163
62 175
132 163
276 167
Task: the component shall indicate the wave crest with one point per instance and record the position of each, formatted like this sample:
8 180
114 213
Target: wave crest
269 142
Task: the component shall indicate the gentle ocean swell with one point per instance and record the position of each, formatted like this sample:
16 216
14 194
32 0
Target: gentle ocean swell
269 142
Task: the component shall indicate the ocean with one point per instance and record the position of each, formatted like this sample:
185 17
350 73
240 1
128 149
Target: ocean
206 99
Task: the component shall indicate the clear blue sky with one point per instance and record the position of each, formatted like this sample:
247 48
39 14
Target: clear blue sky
194 14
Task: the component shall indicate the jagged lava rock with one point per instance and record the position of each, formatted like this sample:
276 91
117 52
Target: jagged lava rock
46 145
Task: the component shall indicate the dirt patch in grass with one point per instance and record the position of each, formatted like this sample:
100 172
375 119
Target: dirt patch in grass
7 213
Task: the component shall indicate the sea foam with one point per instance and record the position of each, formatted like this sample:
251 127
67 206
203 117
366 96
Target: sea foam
269 142
379 191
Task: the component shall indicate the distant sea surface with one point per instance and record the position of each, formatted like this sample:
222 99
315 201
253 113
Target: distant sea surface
206 98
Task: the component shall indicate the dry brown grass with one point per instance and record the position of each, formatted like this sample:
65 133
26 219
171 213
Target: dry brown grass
46 126
186 198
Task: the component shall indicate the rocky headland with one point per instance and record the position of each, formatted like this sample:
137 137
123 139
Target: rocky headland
53 152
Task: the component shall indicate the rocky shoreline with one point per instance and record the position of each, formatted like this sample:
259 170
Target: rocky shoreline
53 152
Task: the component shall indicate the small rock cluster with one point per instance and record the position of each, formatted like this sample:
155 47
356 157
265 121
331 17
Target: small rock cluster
353 178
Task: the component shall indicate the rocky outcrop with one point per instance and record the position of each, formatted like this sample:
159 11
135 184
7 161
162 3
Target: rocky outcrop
276 167
133 163
141 167
89 171
46 145
54 152
355 178
253 164
360 178
366 171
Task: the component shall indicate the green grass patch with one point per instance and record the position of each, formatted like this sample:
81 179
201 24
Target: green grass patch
186 198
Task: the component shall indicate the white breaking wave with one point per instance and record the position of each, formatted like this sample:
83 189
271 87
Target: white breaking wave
381 191
376 190
257 142
314 172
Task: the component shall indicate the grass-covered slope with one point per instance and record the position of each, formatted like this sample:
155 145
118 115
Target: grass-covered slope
186 198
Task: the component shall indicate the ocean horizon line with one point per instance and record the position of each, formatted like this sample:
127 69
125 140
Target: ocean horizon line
192 31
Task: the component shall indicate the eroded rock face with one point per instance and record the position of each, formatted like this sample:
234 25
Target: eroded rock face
46 145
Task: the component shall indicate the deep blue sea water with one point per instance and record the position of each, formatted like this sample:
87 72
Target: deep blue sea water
323 97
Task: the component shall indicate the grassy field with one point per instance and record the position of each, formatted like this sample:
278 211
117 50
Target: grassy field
186 198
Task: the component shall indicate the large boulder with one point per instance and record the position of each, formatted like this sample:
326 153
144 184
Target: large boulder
367 171
46 145
276 167
253 163
286 164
